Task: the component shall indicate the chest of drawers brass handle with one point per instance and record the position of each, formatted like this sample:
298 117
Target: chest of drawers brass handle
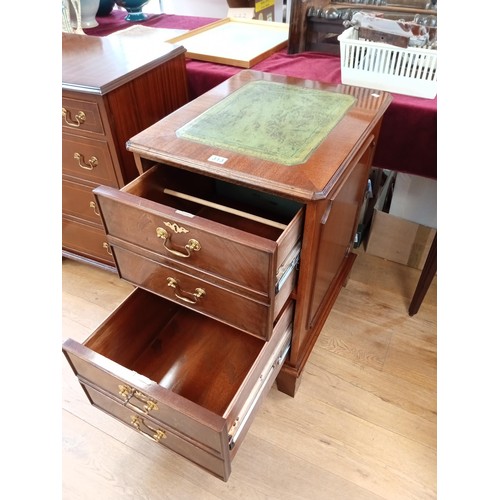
105 245
92 163
79 118
93 206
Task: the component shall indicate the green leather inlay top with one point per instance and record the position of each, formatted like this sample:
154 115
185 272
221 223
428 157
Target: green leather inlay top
272 121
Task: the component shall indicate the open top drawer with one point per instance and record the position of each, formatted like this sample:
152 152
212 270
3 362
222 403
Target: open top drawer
186 376
229 232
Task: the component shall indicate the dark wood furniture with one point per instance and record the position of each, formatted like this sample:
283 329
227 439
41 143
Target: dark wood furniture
110 91
321 35
238 260
427 275
307 33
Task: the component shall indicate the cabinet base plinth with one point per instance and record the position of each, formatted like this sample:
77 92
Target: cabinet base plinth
288 380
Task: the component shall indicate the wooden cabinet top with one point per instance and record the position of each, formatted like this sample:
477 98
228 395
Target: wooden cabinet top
98 65
280 134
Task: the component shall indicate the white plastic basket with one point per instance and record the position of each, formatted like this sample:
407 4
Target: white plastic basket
410 71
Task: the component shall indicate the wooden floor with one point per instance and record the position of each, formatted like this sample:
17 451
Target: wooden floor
362 425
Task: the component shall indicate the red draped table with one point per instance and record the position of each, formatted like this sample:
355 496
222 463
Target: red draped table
408 138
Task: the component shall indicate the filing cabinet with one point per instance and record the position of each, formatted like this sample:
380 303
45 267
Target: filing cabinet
238 253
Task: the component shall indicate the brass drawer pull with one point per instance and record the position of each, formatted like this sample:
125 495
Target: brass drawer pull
93 206
127 393
192 245
197 294
79 118
106 247
158 433
92 163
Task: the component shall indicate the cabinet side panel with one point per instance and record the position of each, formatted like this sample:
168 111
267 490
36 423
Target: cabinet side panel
336 234
142 102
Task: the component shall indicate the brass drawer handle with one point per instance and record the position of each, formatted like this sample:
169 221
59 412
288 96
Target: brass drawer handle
93 206
105 245
197 294
79 118
127 393
157 433
192 245
92 163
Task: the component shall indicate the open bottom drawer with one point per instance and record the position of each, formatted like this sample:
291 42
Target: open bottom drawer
184 380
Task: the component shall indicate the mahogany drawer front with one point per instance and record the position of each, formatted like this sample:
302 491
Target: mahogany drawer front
214 300
78 201
81 115
86 240
214 240
159 432
88 159
200 379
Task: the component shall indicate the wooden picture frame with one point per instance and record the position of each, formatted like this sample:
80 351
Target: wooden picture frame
234 41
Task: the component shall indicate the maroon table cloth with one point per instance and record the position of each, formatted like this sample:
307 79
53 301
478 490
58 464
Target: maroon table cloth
408 138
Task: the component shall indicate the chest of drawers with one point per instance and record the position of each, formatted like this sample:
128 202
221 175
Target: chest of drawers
112 88
237 260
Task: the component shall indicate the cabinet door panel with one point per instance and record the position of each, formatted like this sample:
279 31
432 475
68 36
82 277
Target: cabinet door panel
337 229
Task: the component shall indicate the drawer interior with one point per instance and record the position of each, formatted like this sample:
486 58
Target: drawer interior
252 211
198 358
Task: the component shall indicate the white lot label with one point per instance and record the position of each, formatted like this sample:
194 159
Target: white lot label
217 159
